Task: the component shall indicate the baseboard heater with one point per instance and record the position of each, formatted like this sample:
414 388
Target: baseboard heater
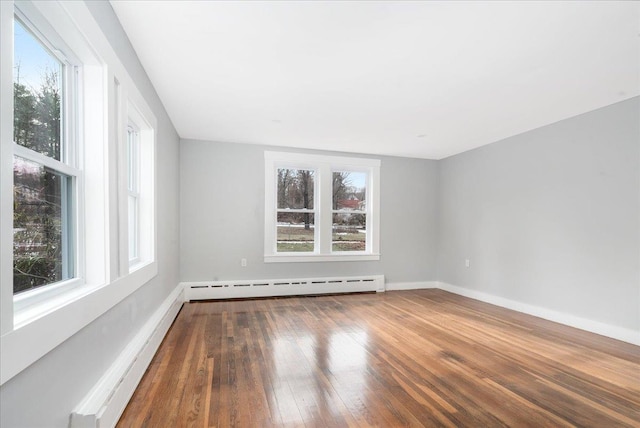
104 404
281 287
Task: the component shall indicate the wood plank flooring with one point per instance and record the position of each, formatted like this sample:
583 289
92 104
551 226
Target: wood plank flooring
402 358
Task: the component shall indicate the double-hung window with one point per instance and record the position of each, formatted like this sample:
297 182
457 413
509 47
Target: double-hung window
46 173
321 208
296 231
349 211
139 157
77 184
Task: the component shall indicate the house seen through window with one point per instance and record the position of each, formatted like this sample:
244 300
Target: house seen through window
349 214
319 208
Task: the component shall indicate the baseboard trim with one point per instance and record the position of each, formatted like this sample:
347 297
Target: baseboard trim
104 404
396 286
614 332
234 289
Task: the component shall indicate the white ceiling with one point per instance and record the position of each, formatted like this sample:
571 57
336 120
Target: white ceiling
417 79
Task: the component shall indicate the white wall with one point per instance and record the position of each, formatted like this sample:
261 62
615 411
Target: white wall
45 394
550 218
222 218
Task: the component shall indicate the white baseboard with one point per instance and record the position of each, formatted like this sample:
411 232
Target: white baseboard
614 332
395 286
234 289
104 404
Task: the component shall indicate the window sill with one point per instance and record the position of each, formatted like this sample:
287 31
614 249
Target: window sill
309 258
34 307
138 264
39 329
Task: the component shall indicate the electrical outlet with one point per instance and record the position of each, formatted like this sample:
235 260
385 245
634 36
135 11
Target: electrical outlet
243 262
467 263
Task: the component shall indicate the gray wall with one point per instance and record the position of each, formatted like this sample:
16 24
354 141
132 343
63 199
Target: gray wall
550 217
45 394
222 218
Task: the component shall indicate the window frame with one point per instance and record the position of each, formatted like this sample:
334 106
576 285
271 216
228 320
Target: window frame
138 117
366 212
313 211
29 334
324 166
30 303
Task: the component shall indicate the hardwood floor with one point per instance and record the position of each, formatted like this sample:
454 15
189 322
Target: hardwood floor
402 358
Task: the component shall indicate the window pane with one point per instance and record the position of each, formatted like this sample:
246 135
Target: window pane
295 232
42 237
349 190
349 232
295 188
36 95
133 227
132 149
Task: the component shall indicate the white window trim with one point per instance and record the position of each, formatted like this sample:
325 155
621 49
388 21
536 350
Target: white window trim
26 339
146 221
29 304
324 167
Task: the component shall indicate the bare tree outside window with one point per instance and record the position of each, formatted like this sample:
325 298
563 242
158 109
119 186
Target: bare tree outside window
295 210
321 208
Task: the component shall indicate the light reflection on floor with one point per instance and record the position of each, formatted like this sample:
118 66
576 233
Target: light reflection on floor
333 365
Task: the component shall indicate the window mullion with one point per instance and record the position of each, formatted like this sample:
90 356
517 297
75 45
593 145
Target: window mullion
324 208
373 211
121 127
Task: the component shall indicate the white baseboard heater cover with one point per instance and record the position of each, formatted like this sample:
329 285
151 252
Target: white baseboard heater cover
281 287
104 404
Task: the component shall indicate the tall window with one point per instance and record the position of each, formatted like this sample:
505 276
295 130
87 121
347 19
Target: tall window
45 169
133 193
138 147
63 178
321 208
